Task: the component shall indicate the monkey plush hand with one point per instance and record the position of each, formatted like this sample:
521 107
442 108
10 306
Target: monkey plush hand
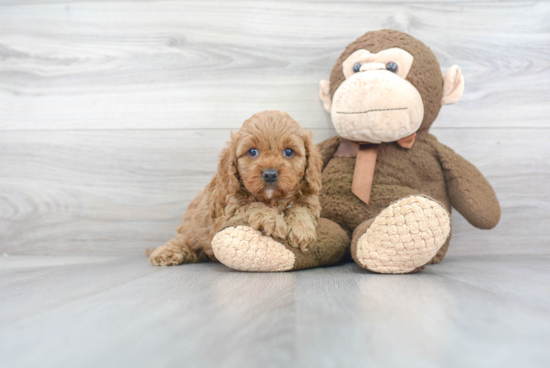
386 180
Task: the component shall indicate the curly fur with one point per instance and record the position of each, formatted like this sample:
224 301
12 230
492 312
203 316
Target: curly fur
237 195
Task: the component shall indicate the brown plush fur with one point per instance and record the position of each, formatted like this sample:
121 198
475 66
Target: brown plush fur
238 195
428 168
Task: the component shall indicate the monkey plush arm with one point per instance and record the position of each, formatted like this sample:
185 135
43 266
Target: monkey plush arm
328 148
470 193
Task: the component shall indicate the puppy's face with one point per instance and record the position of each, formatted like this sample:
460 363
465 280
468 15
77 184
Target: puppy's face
271 157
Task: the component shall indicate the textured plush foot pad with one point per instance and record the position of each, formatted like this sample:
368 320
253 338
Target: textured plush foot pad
245 249
404 236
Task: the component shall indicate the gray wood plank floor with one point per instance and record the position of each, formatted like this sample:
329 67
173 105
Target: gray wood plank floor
491 311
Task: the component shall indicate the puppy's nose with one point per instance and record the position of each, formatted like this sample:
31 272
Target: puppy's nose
270 175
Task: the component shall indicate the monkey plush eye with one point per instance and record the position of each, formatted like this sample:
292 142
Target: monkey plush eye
391 66
288 153
253 153
356 67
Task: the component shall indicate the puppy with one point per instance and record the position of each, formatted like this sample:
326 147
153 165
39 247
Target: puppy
268 178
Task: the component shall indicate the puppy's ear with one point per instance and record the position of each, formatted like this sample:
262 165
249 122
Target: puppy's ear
226 183
314 165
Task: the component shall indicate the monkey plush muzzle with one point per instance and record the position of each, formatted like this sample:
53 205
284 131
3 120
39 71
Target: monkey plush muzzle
376 106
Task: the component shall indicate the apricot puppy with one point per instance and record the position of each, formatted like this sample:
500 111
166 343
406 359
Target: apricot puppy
268 178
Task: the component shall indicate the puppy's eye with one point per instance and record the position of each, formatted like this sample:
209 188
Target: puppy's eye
356 67
391 66
288 153
253 153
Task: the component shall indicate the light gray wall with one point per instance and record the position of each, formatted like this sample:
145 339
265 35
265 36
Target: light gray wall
112 113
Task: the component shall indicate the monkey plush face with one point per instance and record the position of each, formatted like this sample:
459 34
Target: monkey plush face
375 103
386 86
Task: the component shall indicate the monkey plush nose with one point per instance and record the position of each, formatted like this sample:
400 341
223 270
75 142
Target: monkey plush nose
270 175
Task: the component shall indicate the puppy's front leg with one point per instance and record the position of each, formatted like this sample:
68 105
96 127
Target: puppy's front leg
301 224
267 220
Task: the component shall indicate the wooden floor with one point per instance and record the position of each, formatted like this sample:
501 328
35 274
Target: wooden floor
72 311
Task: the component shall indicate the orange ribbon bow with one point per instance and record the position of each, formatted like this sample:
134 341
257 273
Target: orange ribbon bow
366 153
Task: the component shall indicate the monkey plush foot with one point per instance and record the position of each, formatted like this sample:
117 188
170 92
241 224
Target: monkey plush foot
402 238
245 249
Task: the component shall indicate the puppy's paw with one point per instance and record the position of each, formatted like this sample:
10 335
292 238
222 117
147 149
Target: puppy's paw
301 234
166 256
268 222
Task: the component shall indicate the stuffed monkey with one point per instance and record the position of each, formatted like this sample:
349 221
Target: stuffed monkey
388 184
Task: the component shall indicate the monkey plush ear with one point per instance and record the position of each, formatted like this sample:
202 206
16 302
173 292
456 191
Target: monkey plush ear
324 93
453 86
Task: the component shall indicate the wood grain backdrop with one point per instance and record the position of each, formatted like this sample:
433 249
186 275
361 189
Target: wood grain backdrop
112 113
